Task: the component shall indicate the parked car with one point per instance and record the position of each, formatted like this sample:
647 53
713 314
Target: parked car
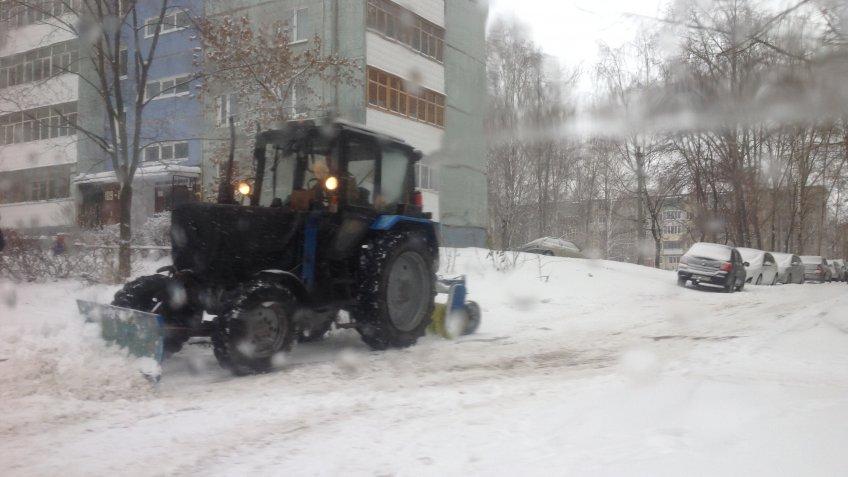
761 268
712 264
789 268
815 269
835 270
555 247
842 270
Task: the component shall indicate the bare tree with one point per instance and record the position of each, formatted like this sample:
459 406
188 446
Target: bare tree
107 30
263 78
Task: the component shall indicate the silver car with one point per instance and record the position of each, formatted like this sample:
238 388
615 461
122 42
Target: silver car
841 272
789 268
816 269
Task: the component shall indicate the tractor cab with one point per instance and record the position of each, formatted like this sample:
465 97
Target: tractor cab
305 167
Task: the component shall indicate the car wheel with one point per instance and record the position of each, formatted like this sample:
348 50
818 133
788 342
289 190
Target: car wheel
681 282
730 286
774 281
759 280
741 286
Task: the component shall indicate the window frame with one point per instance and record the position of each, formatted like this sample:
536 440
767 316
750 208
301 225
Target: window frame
172 90
428 105
172 27
38 124
224 104
294 27
422 36
159 146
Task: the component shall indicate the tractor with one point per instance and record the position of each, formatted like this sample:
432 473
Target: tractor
329 231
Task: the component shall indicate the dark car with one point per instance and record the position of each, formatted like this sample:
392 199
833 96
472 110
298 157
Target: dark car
712 264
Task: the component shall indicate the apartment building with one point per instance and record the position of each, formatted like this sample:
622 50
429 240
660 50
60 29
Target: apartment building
172 128
422 67
38 88
676 227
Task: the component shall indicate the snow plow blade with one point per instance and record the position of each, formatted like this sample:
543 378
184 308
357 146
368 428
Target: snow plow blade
140 333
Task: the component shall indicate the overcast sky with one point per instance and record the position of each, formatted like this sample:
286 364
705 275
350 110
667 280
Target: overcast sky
571 29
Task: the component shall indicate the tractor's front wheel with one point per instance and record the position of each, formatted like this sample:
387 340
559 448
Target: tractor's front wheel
396 292
161 295
257 327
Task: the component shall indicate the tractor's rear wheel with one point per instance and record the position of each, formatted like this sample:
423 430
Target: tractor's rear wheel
153 293
396 292
257 327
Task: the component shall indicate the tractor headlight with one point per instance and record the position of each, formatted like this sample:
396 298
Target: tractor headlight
244 188
332 183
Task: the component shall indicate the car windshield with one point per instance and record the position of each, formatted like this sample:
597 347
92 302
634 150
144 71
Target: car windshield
750 254
709 250
782 259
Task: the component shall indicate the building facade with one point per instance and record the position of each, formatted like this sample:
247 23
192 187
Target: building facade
421 65
172 127
38 88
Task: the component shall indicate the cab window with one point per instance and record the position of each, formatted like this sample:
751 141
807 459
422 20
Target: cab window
394 168
362 170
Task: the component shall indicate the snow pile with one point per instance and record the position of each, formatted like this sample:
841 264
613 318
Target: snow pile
56 353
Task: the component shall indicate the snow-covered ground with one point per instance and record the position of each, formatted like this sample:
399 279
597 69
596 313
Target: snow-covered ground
606 368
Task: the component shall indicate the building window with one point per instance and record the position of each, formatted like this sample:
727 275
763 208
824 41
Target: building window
168 87
166 151
674 214
39 64
175 20
389 92
672 229
37 124
296 104
227 105
123 62
17 15
672 260
297 25
426 177
399 24
672 245
42 183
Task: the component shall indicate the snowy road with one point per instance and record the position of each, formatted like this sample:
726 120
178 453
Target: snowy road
607 368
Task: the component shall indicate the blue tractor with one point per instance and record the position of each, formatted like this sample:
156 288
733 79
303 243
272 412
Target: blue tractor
331 230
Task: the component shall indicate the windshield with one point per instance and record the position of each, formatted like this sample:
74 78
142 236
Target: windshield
287 169
750 255
782 259
709 250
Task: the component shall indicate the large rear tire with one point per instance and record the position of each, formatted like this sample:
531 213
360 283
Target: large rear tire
155 294
257 327
395 297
